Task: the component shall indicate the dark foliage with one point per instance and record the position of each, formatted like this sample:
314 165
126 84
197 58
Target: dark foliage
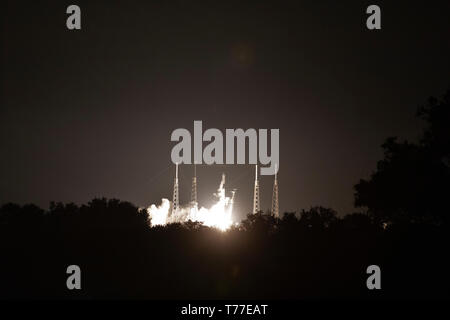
310 255
412 182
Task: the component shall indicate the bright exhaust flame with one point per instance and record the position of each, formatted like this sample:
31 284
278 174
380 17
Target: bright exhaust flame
218 216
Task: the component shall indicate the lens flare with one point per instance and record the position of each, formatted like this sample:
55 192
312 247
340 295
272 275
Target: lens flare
218 216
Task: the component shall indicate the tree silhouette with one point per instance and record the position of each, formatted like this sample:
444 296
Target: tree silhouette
259 223
318 217
22 218
312 253
412 182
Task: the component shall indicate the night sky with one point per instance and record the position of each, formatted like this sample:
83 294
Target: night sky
89 113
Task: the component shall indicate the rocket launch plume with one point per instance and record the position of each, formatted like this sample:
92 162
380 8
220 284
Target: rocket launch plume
218 216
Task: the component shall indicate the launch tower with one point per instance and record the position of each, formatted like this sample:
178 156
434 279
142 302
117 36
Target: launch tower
175 199
256 192
275 208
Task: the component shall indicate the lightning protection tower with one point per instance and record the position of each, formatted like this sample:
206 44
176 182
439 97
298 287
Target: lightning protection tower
175 199
256 192
194 203
275 207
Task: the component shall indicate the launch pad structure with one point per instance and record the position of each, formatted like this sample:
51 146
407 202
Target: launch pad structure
175 205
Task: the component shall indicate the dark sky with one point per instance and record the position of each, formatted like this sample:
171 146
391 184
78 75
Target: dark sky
89 113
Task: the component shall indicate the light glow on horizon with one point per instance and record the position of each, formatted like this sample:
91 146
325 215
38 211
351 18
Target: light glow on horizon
219 215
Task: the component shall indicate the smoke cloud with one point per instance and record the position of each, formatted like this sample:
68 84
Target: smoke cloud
219 215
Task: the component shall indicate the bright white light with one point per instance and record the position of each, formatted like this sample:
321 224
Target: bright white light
218 216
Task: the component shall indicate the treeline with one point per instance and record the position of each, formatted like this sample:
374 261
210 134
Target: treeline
402 226
311 254
411 184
